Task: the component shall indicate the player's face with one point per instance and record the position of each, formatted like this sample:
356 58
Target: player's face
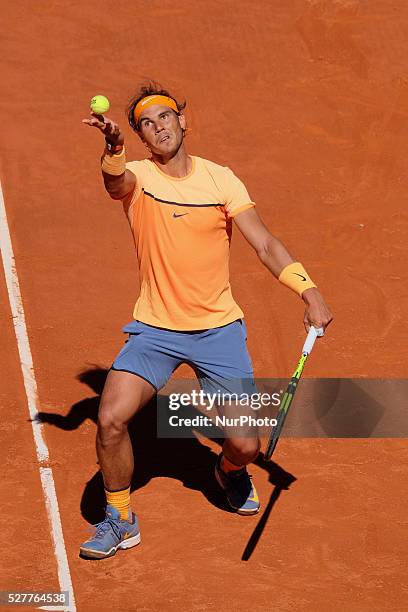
162 129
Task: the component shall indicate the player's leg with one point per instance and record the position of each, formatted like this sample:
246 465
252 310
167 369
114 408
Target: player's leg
239 451
223 363
241 447
231 473
142 367
124 394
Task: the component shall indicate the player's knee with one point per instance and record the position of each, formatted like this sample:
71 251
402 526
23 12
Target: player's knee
245 450
110 426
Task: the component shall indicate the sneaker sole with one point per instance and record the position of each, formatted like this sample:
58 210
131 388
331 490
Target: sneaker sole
98 554
237 510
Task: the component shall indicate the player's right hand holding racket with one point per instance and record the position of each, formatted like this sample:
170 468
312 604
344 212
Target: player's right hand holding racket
317 313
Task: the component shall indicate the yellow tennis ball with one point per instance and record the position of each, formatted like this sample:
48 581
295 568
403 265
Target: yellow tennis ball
100 105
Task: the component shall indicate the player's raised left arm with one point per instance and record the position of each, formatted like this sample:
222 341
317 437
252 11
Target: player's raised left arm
274 255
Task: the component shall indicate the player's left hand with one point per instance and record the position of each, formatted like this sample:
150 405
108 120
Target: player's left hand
109 128
317 312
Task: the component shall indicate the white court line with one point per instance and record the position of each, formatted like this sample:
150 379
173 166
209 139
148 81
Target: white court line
54 608
26 361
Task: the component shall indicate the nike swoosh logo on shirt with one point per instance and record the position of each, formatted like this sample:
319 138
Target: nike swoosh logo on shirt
301 276
175 215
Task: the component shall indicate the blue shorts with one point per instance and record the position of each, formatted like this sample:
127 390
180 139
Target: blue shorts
219 356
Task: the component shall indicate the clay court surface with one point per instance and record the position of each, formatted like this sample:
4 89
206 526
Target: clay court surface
307 101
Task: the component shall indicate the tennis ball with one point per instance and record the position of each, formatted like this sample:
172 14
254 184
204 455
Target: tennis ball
100 105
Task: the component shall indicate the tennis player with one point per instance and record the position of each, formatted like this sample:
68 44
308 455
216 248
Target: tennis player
180 209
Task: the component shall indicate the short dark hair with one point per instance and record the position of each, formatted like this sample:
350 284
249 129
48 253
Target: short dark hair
148 88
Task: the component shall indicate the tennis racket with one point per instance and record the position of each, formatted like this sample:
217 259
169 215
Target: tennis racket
290 391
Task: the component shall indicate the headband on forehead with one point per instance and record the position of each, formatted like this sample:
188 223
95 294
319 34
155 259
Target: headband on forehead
149 101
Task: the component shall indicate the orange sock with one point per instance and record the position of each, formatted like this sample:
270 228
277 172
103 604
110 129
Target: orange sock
120 500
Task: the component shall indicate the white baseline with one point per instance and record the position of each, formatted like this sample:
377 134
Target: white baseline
27 369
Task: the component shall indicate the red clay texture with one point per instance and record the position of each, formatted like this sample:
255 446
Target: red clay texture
307 102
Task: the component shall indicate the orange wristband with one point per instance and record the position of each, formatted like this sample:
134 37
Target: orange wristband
296 278
113 163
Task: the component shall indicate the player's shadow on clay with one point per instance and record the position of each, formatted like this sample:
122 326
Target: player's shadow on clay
184 459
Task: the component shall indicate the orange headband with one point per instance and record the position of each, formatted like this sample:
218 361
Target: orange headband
149 101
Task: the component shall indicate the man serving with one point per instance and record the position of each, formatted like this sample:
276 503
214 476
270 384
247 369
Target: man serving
180 209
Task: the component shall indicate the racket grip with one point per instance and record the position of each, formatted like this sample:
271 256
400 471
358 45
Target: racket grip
311 339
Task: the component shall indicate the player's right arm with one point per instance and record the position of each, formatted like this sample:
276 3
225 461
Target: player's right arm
122 185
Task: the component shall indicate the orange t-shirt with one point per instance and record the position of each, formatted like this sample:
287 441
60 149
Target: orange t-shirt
182 231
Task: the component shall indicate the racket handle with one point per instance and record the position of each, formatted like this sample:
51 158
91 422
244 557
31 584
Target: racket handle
311 339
